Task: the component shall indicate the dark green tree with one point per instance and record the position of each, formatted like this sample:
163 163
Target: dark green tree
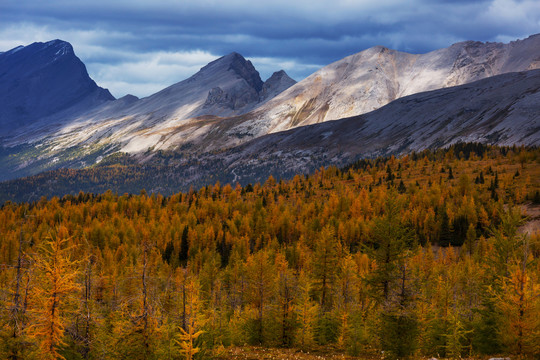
184 247
389 243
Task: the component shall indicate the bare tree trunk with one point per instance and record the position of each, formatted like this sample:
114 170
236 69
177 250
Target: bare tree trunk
184 324
87 294
15 309
522 294
145 301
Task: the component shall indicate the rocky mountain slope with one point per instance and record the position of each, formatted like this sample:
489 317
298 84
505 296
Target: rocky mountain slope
43 79
502 110
374 77
225 87
226 104
357 85
229 88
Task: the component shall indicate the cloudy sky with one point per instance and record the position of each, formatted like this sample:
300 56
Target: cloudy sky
142 46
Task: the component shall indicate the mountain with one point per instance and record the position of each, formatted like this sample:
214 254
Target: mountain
276 84
226 105
225 87
365 81
228 86
42 79
501 110
355 85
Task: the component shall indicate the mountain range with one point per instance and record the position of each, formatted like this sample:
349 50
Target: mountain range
53 115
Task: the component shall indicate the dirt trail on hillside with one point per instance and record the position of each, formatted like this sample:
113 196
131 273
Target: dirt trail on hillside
533 221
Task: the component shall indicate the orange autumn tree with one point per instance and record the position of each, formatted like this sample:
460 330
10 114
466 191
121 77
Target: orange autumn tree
186 338
56 282
315 260
519 301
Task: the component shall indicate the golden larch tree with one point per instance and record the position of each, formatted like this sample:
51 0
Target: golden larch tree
56 282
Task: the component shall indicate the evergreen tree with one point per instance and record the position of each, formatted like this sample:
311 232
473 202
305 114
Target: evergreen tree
390 241
184 247
399 325
260 272
401 188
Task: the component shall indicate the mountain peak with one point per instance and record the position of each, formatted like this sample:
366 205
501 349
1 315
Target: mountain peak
234 55
276 84
279 75
225 61
236 63
59 44
41 79
56 45
54 48
245 69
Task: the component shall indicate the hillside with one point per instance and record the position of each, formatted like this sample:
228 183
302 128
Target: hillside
501 110
372 78
393 255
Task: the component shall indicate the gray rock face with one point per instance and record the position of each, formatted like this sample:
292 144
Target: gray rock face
365 81
249 94
228 86
226 104
239 96
245 69
42 79
502 110
276 84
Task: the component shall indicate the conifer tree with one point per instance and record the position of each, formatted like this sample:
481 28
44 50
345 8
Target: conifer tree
399 325
389 242
519 301
306 312
16 342
57 272
186 339
325 261
261 287
184 247
286 285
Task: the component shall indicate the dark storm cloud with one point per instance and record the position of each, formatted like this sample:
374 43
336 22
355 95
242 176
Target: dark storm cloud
111 36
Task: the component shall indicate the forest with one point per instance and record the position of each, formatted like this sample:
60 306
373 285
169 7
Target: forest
426 255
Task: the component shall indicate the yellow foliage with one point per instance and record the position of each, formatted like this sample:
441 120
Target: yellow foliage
56 274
